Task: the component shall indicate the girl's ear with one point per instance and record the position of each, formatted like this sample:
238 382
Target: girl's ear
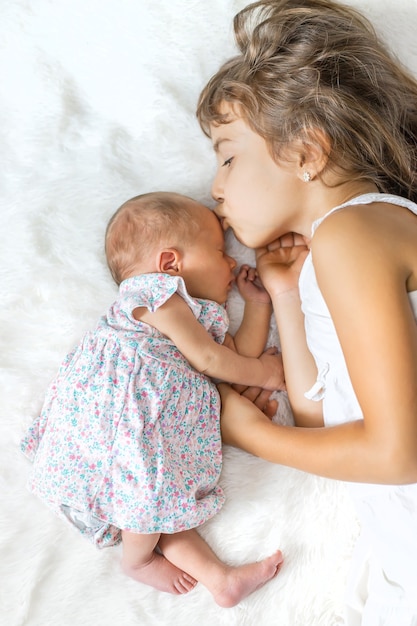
169 261
314 154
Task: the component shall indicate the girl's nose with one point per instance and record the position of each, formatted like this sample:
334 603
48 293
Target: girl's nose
217 189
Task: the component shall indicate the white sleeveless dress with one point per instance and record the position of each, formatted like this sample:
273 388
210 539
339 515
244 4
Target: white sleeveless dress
382 589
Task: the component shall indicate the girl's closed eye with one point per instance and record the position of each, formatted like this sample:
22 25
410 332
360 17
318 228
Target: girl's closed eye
227 162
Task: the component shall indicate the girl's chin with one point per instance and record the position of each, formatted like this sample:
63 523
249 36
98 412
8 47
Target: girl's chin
248 242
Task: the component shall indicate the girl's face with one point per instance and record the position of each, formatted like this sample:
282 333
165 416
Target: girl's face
258 198
206 268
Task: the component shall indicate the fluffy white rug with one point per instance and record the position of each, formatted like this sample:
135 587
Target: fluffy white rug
97 105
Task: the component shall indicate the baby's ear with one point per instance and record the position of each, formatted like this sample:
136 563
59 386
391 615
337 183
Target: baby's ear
168 261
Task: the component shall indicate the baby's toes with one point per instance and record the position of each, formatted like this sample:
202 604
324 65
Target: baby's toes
185 583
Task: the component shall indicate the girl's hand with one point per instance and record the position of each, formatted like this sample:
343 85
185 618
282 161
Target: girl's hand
240 420
280 262
272 361
250 286
261 398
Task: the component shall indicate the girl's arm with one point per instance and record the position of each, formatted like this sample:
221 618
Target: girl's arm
363 279
365 260
176 321
279 266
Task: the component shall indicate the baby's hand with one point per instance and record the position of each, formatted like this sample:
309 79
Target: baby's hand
274 370
250 286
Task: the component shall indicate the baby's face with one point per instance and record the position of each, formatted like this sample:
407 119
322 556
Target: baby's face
207 269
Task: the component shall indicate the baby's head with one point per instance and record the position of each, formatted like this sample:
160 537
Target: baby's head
144 224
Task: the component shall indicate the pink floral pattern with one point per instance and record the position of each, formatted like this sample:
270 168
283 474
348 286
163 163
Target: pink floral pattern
129 434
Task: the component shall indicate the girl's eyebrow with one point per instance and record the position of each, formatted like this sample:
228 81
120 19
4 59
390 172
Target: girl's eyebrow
218 142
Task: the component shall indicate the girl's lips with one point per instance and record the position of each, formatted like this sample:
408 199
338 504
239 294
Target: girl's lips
223 223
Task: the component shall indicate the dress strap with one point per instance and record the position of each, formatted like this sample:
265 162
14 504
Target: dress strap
317 391
368 198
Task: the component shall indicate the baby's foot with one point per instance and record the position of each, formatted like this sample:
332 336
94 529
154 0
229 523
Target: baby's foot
162 575
241 581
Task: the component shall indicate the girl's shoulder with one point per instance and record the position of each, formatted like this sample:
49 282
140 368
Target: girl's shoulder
371 233
366 208
358 204
370 215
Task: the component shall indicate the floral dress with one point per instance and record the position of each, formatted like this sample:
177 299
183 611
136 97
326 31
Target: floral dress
129 434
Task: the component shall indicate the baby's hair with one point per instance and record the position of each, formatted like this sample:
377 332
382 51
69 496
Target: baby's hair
141 224
314 65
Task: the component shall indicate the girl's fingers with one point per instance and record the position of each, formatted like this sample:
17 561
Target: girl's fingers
260 398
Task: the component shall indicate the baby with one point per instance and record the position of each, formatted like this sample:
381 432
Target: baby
127 446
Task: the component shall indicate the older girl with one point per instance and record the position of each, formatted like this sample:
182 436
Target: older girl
314 126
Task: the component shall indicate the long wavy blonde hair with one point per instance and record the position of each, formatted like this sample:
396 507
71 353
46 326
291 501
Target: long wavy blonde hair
308 65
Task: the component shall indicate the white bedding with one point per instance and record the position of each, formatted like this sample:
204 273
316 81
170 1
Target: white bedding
97 105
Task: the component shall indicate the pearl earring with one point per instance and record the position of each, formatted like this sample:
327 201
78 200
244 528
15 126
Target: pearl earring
306 177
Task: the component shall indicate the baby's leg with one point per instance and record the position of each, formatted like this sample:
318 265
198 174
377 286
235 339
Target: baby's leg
228 585
141 562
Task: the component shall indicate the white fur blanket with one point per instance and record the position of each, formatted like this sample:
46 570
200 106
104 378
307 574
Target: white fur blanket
97 105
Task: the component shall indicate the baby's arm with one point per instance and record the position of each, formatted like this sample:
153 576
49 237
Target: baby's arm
175 320
250 338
